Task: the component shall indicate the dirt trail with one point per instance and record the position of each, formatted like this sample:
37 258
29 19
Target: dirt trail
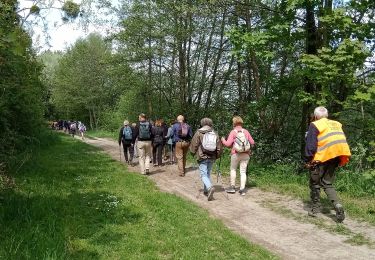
277 222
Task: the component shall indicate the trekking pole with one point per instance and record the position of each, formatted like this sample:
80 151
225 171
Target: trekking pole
220 177
119 148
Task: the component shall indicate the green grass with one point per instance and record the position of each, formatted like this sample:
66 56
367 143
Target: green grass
74 202
103 134
284 180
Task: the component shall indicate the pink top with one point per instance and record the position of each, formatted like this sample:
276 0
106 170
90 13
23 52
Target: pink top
232 136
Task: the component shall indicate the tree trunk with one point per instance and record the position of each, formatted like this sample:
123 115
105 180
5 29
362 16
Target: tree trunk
217 61
311 48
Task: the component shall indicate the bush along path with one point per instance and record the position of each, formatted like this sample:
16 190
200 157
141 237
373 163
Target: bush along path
277 222
72 201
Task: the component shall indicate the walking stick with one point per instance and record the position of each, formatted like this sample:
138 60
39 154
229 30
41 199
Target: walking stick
219 177
119 149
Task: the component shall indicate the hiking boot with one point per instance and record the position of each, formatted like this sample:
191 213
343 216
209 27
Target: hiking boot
312 213
340 214
314 210
231 189
205 193
242 192
210 195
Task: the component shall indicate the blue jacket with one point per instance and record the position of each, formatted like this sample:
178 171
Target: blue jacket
176 138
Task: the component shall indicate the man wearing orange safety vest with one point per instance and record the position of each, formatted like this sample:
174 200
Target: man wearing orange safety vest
326 149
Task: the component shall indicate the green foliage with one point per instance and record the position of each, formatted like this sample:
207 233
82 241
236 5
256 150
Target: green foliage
71 9
21 107
73 202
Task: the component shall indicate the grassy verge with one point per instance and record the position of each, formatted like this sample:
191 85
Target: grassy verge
74 202
102 134
283 179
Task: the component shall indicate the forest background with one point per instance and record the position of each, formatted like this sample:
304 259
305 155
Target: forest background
270 62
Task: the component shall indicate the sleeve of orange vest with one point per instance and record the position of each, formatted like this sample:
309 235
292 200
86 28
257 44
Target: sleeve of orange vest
311 142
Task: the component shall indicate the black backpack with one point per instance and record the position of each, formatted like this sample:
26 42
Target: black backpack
144 130
159 135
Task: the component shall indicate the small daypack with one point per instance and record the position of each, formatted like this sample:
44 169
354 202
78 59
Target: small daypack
127 133
159 135
209 143
241 144
144 130
183 130
73 127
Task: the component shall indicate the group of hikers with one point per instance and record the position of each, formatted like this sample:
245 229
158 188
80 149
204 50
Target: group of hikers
70 126
326 149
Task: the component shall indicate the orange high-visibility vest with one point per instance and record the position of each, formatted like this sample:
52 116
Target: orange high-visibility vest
331 142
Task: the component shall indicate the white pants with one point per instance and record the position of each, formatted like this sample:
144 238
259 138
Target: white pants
243 160
144 152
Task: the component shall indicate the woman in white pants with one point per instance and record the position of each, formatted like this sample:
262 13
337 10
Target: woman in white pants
241 141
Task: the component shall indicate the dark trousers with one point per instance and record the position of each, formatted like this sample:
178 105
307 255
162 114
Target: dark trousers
323 176
128 147
157 153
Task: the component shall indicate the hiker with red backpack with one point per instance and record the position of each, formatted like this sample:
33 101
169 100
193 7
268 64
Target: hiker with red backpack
207 147
126 137
240 141
182 134
143 131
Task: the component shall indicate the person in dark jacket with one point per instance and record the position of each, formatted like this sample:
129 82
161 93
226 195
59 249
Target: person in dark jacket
158 132
143 131
182 134
126 137
207 147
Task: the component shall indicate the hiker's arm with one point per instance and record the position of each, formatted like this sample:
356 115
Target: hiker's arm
219 147
230 140
136 131
120 136
249 138
311 142
194 143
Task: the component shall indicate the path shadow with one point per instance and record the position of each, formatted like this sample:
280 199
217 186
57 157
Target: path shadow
157 171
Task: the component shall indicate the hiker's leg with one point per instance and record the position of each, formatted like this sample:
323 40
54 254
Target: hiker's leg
174 153
160 154
204 170
210 164
233 168
179 157
131 152
315 175
328 179
142 155
244 160
126 147
185 148
148 148
154 148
